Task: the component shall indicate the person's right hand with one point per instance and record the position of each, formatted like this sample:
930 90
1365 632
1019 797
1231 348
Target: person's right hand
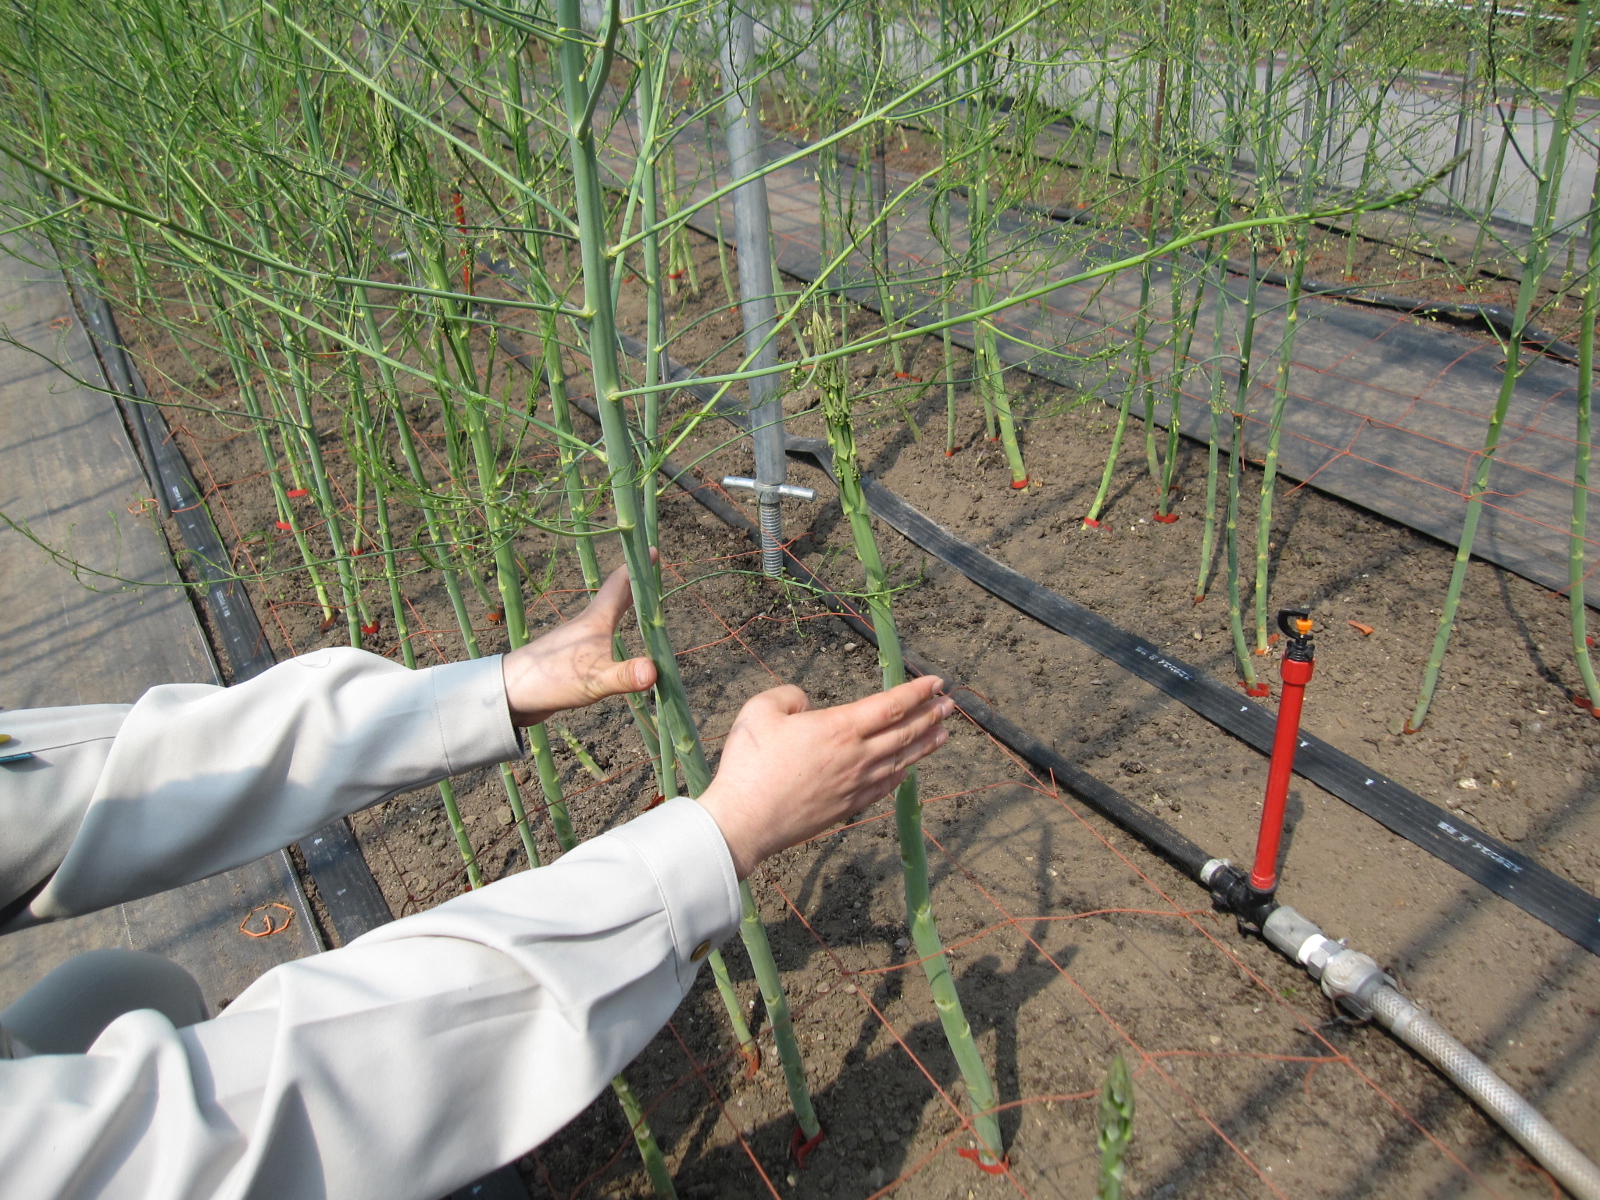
788 771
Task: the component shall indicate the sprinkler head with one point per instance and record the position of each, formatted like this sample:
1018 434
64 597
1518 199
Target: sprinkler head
1297 625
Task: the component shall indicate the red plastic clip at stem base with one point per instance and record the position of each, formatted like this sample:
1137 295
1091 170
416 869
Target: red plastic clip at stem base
1264 874
800 1147
998 1167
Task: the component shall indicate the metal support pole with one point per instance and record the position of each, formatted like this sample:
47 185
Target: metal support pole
752 232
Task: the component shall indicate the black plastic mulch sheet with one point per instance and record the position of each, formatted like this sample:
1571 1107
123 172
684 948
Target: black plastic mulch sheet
1383 409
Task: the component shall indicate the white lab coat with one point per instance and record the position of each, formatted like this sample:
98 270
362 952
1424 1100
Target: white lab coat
406 1064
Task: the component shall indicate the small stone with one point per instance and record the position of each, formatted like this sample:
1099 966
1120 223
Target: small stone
1396 725
505 815
902 945
1467 785
849 645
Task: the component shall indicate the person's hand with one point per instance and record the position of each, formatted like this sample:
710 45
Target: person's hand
788 771
572 665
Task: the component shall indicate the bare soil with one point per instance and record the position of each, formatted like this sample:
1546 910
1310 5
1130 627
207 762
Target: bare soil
1070 941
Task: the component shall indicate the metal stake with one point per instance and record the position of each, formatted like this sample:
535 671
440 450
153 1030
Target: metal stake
752 233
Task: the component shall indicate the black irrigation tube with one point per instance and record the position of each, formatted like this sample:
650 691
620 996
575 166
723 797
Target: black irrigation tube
1511 875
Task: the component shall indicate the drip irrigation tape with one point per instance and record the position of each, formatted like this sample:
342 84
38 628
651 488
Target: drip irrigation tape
1512 876
1146 826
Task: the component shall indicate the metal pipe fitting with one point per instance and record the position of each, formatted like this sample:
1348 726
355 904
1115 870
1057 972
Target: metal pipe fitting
1211 867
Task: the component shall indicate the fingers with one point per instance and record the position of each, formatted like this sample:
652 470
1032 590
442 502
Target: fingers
911 727
612 602
894 750
919 748
876 791
874 713
620 678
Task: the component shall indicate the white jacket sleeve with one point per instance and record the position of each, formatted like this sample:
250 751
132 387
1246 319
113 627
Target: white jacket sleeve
402 1066
119 801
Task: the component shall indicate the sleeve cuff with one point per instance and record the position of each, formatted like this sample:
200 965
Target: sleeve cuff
473 719
684 850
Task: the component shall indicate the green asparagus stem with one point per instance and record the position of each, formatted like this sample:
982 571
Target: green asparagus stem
833 384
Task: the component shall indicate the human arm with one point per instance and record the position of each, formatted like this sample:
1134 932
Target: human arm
403 1065
122 801
445 1044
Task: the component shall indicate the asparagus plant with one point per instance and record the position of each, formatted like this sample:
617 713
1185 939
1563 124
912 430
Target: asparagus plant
585 64
1116 1129
833 387
1535 262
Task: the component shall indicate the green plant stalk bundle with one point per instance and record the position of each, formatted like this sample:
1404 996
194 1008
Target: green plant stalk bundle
1322 61
833 387
454 360
988 366
1578 537
1241 650
581 77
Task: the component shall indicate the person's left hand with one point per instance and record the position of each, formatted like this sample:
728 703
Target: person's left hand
572 665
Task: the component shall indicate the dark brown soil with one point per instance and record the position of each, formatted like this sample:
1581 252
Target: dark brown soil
1070 942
